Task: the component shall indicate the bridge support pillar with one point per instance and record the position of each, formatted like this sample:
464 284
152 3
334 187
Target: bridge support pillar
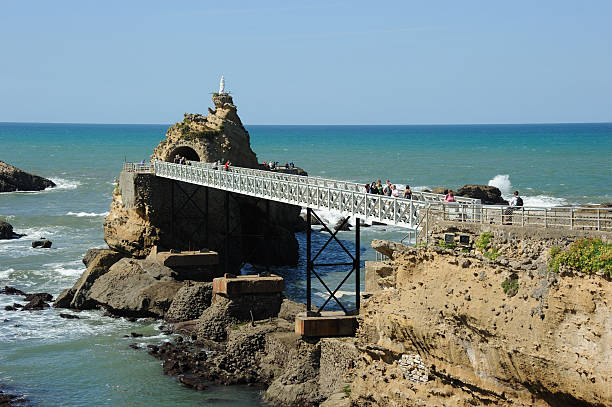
321 323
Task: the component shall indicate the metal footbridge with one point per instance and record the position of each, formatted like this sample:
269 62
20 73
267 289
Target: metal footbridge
350 199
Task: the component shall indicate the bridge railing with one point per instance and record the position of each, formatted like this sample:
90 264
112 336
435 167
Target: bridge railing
383 209
138 167
330 183
297 190
578 218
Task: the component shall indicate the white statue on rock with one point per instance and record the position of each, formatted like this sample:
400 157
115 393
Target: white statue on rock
222 85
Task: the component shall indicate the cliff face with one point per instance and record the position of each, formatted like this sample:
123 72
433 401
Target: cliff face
440 329
218 136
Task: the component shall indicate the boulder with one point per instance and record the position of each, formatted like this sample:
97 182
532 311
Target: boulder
42 243
342 225
136 288
13 179
98 264
6 231
8 290
489 195
37 302
189 302
225 311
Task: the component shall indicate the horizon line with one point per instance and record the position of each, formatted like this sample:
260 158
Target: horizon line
304 125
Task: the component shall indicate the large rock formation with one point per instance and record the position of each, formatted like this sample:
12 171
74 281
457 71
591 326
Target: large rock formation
13 179
218 136
147 210
446 327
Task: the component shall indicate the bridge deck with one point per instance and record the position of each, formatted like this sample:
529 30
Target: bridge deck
349 199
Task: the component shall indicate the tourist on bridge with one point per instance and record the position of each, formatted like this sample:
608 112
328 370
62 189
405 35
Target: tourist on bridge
379 188
387 188
394 191
407 192
373 188
367 188
227 165
449 197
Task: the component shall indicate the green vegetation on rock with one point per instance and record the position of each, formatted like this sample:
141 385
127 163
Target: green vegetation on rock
483 242
585 255
510 286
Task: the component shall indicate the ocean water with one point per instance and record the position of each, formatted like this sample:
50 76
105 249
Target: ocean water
58 362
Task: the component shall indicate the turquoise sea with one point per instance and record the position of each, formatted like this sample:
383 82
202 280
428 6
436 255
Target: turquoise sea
58 362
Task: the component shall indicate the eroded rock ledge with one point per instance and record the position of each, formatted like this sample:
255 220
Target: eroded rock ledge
489 331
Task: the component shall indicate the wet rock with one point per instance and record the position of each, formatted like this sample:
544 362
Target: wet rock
136 335
43 296
342 225
11 291
69 316
37 303
6 231
42 243
13 179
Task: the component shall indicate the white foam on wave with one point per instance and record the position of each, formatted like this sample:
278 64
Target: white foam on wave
87 214
48 326
544 201
5 274
502 181
62 183
339 294
68 269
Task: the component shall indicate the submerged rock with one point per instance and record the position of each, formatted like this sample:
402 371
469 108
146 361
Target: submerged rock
13 179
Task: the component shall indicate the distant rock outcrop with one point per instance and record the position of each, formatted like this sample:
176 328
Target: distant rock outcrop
489 195
13 179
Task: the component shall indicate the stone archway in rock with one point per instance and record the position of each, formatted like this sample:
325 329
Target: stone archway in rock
183 151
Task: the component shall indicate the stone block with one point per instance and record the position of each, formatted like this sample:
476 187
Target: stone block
252 284
330 323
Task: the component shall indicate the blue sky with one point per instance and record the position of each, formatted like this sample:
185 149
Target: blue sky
315 62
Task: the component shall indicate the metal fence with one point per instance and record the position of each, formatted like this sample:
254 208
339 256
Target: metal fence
349 199
138 167
570 217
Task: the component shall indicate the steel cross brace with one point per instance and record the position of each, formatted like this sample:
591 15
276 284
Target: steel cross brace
203 220
310 263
